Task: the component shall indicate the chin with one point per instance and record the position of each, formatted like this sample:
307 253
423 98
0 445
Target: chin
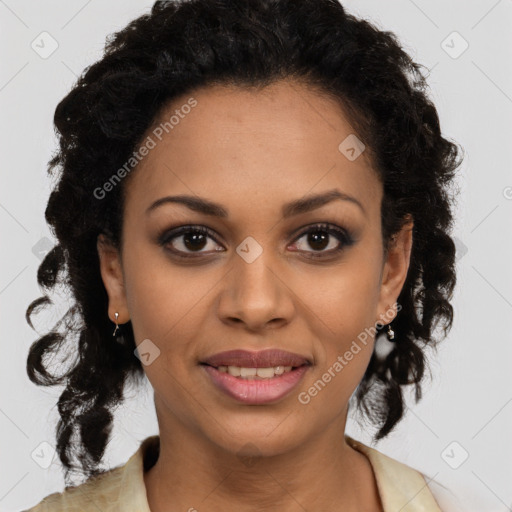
258 437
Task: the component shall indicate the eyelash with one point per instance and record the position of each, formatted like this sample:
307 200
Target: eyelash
342 235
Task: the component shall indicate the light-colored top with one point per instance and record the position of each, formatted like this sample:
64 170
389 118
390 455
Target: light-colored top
401 488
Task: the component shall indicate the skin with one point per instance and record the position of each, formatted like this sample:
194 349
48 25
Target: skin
253 151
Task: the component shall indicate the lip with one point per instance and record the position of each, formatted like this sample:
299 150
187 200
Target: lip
260 359
256 392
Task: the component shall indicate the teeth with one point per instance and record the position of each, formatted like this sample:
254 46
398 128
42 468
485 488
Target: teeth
254 373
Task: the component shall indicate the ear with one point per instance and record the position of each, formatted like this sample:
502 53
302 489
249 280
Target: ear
394 272
113 279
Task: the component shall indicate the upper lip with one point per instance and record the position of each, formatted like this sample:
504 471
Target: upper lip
261 359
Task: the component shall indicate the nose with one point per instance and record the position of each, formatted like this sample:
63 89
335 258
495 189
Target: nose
255 295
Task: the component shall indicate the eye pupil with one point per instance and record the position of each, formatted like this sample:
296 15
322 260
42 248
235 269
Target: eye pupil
314 239
194 241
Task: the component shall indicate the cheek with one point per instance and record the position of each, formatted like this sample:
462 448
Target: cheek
345 302
344 298
167 303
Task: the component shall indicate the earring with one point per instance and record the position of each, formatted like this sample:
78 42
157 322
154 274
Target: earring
390 333
116 314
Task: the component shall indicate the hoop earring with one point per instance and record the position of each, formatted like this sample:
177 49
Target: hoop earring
390 333
116 314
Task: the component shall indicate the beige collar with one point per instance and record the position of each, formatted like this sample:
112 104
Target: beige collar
401 488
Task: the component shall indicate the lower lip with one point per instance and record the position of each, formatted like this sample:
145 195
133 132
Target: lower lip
256 391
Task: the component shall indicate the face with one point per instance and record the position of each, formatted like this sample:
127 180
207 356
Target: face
254 278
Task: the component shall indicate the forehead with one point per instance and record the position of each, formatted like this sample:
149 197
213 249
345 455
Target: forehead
268 144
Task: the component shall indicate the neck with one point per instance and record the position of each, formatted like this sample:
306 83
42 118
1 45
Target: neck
323 474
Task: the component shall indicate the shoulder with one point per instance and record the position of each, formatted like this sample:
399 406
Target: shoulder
99 492
402 487
120 488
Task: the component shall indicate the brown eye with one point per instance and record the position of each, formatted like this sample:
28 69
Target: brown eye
194 241
187 240
323 236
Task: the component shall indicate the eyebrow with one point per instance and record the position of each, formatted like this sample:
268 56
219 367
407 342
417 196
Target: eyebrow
302 205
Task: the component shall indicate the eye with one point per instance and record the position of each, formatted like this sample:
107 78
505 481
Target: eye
320 236
188 238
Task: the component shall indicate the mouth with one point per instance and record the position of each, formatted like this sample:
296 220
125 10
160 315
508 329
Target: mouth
253 373
253 389
256 378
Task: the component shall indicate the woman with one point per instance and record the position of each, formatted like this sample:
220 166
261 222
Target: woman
253 195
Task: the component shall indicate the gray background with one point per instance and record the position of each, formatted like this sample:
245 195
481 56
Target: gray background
466 410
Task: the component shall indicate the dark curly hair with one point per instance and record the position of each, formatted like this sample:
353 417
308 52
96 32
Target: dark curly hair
181 45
